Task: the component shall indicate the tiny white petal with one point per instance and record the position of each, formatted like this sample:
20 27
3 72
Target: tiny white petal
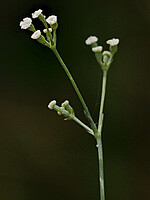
91 40
26 23
36 13
97 49
51 19
45 30
36 34
113 42
51 104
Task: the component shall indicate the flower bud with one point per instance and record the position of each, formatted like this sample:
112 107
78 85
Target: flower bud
52 104
65 103
67 107
106 56
45 30
106 53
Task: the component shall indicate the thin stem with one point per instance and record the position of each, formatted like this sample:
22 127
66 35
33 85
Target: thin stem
83 125
68 115
54 36
76 89
101 168
99 138
100 122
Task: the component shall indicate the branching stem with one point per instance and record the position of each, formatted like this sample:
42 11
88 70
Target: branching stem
76 89
83 125
94 131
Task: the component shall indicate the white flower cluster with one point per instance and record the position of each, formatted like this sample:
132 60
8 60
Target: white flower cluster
104 58
26 23
91 40
113 42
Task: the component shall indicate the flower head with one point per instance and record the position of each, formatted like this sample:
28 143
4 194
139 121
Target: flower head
26 23
51 104
51 19
113 42
91 40
36 34
97 49
36 13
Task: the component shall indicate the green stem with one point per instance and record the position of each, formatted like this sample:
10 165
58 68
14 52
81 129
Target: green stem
54 36
99 138
100 122
83 125
76 89
101 168
72 116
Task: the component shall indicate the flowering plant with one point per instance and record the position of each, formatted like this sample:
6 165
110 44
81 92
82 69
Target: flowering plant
104 59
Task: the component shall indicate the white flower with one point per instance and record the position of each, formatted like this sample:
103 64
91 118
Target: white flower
36 13
45 30
26 23
36 34
91 40
52 19
97 49
51 104
113 42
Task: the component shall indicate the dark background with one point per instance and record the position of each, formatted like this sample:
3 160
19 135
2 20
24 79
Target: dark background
41 155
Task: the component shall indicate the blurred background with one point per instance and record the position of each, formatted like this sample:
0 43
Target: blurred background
41 155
